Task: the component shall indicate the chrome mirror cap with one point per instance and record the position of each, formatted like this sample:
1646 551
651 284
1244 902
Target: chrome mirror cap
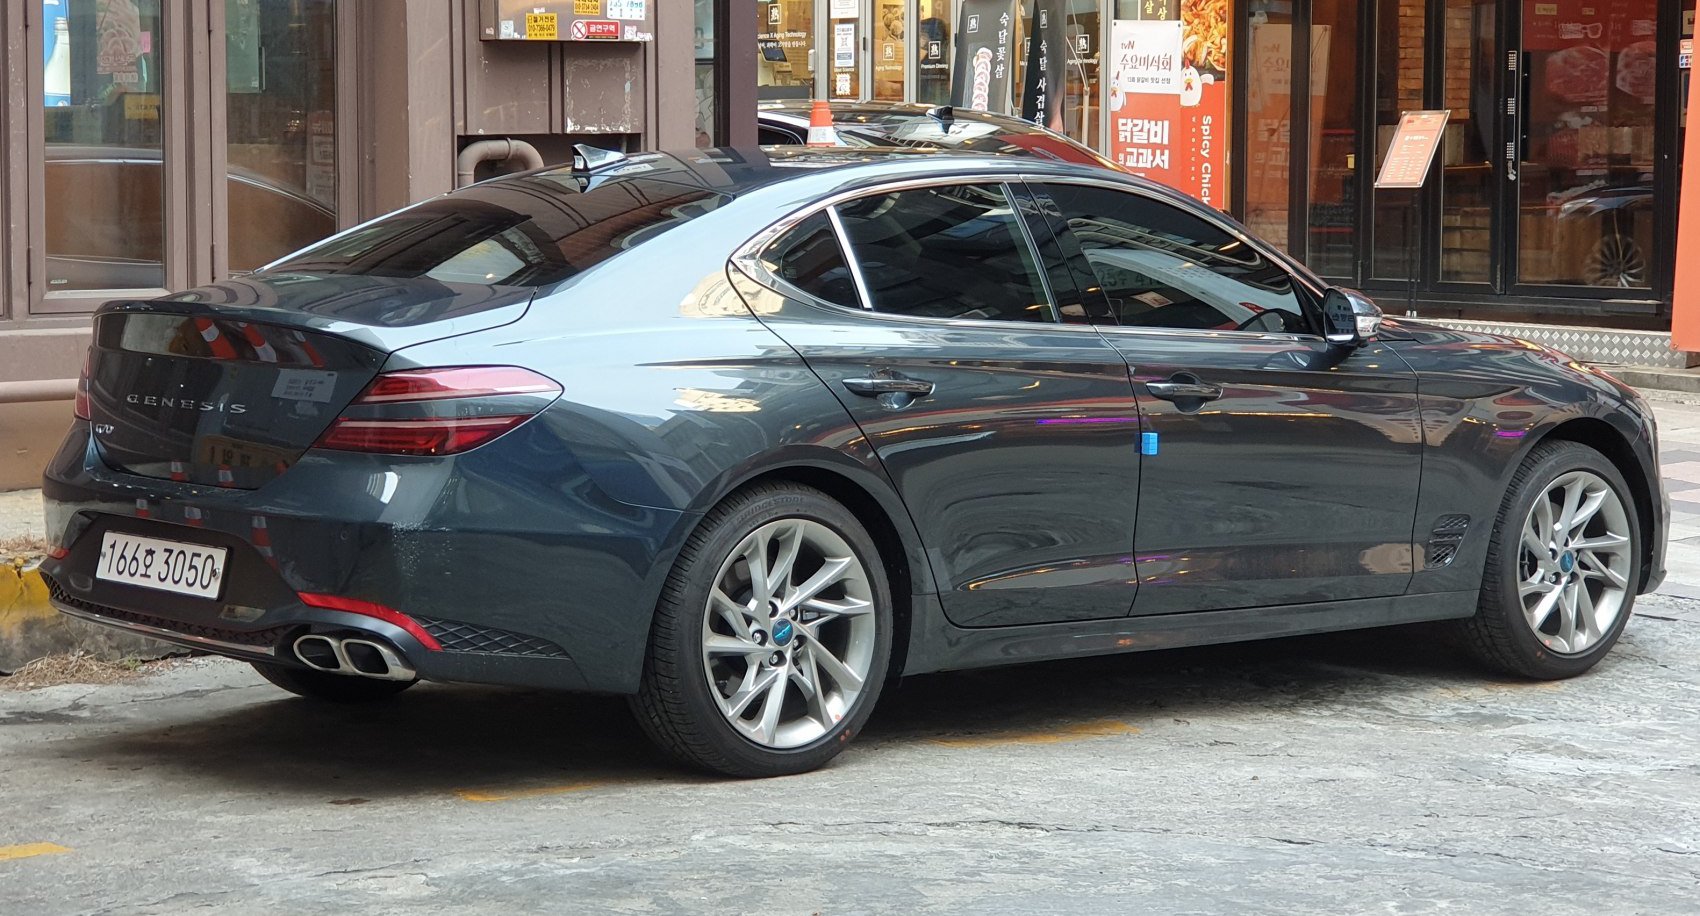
1353 320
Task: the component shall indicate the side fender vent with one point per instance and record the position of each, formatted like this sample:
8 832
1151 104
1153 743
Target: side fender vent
1443 542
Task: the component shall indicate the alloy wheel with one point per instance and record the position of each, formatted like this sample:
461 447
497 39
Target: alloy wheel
1574 563
788 635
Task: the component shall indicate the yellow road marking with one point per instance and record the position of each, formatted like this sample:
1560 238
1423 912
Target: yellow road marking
28 850
480 795
1083 731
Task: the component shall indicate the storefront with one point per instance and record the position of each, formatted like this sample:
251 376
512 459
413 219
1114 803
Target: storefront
1554 195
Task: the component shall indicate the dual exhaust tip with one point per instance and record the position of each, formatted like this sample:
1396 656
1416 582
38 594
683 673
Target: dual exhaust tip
353 656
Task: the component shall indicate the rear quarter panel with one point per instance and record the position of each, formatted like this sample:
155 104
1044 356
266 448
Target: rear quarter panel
674 396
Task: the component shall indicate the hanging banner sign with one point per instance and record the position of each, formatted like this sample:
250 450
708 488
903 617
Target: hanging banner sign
1412 151
1047 64
985 59
1169 99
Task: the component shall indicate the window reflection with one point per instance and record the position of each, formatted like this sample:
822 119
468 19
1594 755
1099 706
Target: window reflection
104 166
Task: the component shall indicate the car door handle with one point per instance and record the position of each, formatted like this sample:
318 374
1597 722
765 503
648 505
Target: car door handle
889 384
1184 389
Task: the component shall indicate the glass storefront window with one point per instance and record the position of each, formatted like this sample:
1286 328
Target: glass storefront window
934 49
1402 30
105 163
1269 110
1334 94
1585 177
890 57
1466 166
786 45
706 78
280 126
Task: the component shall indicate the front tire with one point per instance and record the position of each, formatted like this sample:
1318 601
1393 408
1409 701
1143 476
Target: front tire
1562 568
332 688
772 636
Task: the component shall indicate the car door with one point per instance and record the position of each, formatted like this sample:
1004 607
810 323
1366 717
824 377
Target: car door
1285 468
1011 437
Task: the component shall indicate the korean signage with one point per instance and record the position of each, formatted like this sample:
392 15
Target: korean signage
1047 60
1412 150
568 20
985 55
1169 96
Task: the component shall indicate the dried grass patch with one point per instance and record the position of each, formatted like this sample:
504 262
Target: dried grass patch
73 668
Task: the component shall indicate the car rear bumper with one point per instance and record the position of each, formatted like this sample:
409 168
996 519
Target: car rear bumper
493 585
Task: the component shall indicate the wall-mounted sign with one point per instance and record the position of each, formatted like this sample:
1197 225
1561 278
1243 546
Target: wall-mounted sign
544 27
1412 150
567 20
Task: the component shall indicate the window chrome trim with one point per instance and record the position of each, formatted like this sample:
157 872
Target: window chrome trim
850 258
748 255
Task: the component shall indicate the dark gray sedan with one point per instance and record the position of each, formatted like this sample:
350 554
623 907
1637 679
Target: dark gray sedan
744 434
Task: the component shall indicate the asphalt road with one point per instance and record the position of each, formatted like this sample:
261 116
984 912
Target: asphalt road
1361 773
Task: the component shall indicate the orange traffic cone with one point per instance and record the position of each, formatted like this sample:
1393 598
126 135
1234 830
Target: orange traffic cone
821 132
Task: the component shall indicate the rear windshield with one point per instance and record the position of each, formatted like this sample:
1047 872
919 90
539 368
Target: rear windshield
530 232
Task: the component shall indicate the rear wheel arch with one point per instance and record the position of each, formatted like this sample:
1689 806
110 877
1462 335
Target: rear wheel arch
883 515
900 550
1606 439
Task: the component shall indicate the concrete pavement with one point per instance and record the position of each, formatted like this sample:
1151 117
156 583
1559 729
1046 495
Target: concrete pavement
1354 773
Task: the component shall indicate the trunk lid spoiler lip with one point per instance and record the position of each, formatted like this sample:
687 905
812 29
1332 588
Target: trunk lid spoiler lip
245 300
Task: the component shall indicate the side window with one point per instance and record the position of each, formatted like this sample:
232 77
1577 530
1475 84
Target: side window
809 258
948 252
1163 267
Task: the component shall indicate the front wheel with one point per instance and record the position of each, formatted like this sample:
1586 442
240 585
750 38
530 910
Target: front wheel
1562 567
772 636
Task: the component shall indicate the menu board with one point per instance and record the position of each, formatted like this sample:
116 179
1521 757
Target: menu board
1413 148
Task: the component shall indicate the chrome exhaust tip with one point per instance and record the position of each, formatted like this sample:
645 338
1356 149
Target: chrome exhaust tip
374 659
353 656
320 653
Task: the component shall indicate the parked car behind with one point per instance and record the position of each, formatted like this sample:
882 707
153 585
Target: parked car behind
891 124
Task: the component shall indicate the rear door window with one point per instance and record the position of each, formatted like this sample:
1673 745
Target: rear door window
957 251
1163 267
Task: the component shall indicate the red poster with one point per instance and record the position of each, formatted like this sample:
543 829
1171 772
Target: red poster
1169 100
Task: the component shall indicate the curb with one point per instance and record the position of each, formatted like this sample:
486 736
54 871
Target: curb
30 628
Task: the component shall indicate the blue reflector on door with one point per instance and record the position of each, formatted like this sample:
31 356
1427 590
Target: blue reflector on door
1148 443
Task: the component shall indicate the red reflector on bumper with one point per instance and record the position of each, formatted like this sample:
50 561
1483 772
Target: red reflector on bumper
375 611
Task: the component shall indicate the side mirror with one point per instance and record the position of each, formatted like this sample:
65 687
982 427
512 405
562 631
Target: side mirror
1353 320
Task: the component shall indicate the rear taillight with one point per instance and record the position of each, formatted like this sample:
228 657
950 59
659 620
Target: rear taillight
81 405
446 411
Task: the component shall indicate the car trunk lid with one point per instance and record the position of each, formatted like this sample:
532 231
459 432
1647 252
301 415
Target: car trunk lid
228 385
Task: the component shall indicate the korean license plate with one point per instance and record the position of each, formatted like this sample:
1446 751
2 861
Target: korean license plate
170 566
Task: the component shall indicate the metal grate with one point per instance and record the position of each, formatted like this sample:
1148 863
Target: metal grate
1443 542
467 637
258 638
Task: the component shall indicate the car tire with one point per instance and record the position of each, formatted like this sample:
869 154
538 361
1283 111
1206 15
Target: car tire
767 681
1531 619
334 688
